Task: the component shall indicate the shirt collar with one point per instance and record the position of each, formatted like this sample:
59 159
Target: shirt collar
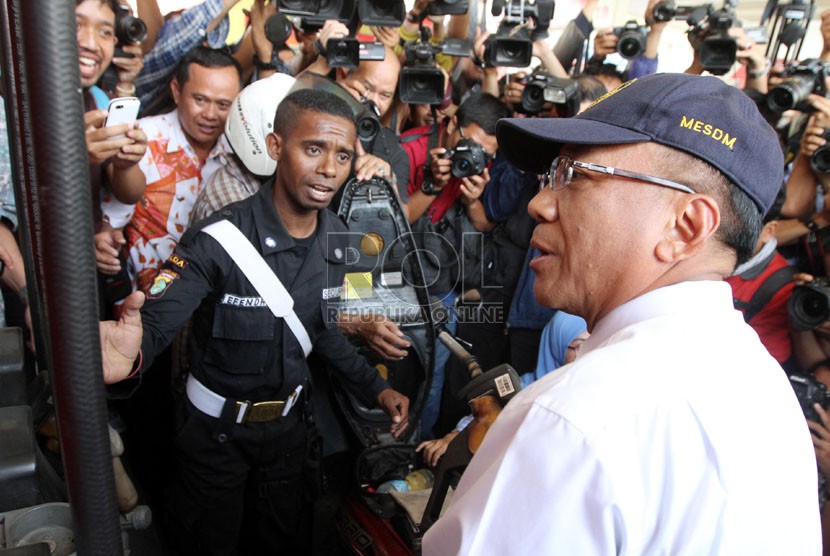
273 236
707 297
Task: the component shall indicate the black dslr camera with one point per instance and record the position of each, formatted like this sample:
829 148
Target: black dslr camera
128 30
512 45
809 304
632 39
803 79
542 87
809 391
468 158
820 161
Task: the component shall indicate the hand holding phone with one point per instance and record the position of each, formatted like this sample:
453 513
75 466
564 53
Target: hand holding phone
123 110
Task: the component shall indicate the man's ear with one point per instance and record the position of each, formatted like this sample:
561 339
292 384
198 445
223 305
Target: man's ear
175 90
274 142
340 74
695 220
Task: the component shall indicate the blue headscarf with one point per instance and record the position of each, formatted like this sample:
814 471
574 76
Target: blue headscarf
558 333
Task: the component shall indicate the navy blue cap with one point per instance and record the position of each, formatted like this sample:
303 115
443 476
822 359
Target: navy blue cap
700 115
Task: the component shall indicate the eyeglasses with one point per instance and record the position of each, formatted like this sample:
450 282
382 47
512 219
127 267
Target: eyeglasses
562 170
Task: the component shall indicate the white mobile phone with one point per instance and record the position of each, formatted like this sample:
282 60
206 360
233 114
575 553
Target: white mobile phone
123 110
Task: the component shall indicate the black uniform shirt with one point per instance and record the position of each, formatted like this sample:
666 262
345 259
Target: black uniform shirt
238 348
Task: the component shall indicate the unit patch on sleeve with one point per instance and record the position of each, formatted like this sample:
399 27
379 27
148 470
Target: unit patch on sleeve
160 283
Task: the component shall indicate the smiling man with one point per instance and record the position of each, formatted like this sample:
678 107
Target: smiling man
674 431
241 444
113 152
185 147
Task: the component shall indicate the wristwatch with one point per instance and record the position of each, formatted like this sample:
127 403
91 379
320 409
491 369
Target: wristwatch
269 65
811 224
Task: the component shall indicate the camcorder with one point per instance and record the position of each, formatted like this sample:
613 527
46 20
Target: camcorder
820 160
128 30
809 391
631 39
348 52
468 158
541 88
512 45
802 79
421 82
809 304
448 7
708 33
383 13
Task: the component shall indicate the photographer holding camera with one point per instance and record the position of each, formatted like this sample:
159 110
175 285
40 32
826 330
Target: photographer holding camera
639 45
449 169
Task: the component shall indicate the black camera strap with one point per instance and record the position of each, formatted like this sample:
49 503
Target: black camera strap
765 292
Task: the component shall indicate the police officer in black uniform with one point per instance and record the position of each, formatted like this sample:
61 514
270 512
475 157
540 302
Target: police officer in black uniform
241 441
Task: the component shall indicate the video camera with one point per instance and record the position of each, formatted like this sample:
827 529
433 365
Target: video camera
541 87
512 45
448 7
468 158
803 79
708 33
383 13
820 160
809 391
421 82
632 39
809 304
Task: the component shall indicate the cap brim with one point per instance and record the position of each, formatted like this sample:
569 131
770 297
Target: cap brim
531 144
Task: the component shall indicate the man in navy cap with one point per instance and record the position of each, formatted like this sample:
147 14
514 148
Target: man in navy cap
674 432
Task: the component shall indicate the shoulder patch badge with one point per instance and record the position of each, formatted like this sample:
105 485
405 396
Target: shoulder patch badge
160 283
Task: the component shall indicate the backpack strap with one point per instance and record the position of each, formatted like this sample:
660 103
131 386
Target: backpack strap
765 292
101 98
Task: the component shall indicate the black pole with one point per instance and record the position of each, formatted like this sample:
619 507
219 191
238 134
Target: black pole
22 162
52 96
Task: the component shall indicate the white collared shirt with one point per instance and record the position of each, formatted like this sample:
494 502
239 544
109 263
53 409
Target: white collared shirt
674 432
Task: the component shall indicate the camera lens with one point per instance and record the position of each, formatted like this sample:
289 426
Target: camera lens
533 98
277 29
820 160
462 167
790 93
663 11
809 306
630 46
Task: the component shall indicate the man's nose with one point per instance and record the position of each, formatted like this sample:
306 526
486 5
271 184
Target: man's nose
544 207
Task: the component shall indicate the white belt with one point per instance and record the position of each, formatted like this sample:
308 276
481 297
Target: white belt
210 403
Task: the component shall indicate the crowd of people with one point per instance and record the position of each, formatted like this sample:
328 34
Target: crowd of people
530 251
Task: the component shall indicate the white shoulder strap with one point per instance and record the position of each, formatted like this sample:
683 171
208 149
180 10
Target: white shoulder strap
261 277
